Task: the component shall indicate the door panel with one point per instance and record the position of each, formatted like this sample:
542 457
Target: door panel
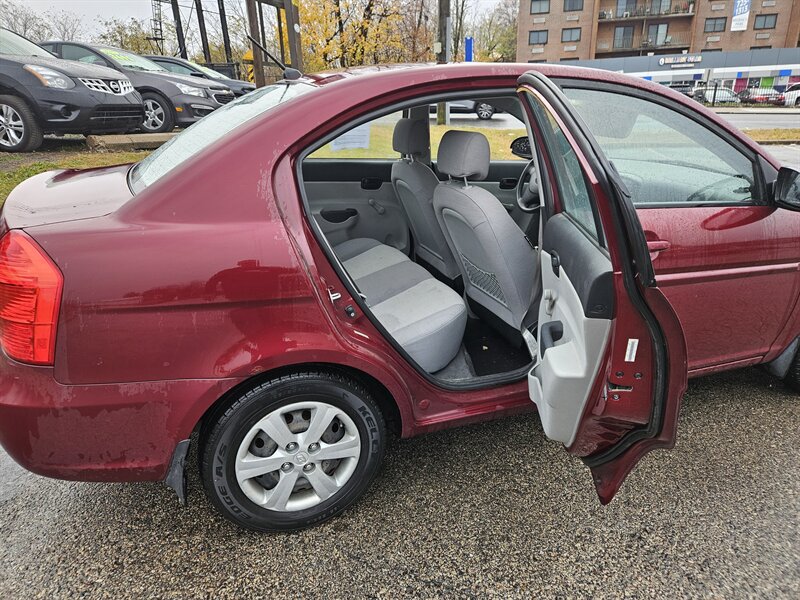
742 260
573 329
355 198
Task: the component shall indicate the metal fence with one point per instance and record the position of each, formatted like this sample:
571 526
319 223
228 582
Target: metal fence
718 93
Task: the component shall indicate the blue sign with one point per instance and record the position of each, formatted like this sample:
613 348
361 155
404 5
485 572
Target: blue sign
468 49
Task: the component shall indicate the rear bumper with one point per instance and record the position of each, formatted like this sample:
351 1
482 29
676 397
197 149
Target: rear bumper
107 432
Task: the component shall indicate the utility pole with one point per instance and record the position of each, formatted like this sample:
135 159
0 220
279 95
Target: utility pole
201 22
258 59
226 40
176 14
293 31
443 55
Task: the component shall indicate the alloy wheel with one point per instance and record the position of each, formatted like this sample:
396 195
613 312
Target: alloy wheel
485 111
153 115
12 129
297 456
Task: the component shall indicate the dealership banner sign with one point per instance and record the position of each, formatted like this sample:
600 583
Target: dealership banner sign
741 14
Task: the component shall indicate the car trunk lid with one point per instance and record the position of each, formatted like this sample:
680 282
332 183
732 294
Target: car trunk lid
45 199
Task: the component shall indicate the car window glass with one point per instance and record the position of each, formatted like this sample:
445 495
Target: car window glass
175 68
501 128
663 156
72 52
370 140
569 176
210 129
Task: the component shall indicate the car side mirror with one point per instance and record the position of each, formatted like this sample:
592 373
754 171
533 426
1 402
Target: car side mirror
196 74
522 147
787 189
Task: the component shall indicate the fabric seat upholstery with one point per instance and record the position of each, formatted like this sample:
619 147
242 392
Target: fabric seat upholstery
414 183
498 263
422 314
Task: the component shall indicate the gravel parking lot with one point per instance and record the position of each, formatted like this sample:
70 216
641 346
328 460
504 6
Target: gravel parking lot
485 510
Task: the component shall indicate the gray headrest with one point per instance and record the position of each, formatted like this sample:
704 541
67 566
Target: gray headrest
411 136
464 154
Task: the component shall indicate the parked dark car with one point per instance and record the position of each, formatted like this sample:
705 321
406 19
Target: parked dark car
284 310
484 110
181 66
41 94
168 99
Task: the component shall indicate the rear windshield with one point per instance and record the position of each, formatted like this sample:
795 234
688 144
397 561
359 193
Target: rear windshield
209 129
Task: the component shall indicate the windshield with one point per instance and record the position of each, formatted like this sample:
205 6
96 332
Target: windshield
210 72
211 128
11 43
129 60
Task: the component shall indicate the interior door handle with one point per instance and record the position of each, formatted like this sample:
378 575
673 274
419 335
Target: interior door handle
508 183
371 183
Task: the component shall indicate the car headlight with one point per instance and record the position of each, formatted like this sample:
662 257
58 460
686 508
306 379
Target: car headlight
50 77
191 90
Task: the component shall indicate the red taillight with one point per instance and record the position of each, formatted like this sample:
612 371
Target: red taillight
30 294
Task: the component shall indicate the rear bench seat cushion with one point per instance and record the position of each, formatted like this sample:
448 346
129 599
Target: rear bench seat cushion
426 317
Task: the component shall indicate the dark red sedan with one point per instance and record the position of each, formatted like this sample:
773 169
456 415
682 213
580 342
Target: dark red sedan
318 264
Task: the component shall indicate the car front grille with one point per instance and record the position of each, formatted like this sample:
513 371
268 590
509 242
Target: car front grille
117 116
117 87
222 97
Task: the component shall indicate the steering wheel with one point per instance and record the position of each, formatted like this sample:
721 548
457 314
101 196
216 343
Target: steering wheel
528 189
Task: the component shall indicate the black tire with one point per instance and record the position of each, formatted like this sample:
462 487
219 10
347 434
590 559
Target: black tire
792 378
223 437
165 113
32 134
484 111
797 102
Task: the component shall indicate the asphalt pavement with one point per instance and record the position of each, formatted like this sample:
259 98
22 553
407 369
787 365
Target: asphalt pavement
487 510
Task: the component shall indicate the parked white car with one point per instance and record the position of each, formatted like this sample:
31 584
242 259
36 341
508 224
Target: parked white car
791 97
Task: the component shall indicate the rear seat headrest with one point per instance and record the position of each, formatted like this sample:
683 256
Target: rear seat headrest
411 136
464 154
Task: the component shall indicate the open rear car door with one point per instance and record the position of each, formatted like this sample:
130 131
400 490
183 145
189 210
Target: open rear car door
611 364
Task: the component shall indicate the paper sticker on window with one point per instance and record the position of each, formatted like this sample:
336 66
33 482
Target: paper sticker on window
630 352
358 137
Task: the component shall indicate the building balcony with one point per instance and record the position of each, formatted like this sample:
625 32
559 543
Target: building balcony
612 13
642 43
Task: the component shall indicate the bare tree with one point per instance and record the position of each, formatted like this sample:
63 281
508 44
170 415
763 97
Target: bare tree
66 25
24 21
496 33
459 14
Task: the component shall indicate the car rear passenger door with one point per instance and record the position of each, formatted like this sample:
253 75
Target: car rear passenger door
611 364
348 183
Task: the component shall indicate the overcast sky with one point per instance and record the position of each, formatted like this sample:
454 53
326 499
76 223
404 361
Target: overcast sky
140 9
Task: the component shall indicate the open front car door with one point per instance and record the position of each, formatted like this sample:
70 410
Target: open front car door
611 365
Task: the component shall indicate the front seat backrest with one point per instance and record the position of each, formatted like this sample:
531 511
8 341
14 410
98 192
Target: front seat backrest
414 183
498 263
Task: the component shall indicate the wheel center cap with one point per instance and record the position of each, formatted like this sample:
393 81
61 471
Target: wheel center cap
301 458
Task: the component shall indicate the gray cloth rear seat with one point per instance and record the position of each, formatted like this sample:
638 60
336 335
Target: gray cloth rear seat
426 317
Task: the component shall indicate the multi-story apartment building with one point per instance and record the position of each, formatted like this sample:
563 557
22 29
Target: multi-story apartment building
560 30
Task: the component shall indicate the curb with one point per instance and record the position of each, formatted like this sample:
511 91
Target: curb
134 141
778 142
